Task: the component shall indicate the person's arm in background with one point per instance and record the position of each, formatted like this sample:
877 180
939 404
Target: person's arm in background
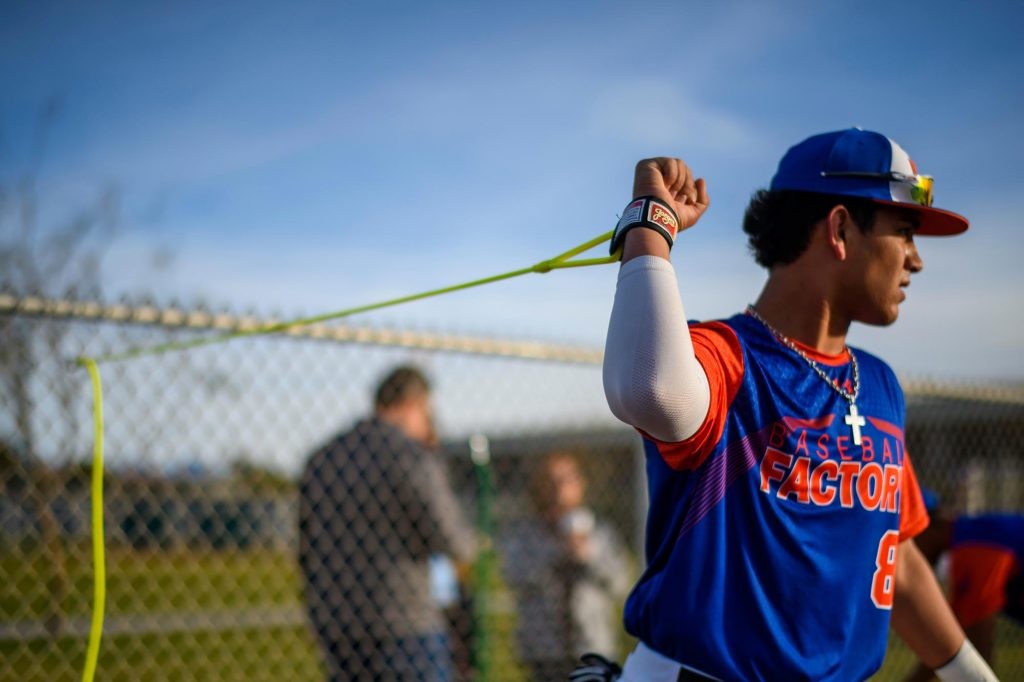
443 524
610 563
923 619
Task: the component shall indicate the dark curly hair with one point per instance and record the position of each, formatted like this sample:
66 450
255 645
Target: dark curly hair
779 223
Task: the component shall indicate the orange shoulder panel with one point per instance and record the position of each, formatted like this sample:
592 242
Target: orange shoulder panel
913 514
718 351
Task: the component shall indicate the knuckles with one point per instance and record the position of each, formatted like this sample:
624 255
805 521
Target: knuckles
667 167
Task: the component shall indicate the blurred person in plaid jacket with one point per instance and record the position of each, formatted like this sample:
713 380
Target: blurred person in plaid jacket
375 504
569 571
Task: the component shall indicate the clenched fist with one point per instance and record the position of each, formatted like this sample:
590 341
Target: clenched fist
671 181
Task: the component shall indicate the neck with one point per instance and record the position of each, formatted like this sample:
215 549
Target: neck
793 305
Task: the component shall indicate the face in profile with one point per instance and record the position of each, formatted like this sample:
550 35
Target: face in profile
881 262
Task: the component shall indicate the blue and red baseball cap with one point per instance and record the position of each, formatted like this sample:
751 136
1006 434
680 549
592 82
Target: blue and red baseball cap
862 163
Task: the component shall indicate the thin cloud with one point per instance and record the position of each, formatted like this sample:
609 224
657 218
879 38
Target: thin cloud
667 119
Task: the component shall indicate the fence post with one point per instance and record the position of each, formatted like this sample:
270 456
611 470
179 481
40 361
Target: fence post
480 451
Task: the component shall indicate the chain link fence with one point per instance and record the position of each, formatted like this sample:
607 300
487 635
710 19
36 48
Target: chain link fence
210 520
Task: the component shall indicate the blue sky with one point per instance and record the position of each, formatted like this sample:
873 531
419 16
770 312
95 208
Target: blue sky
304 157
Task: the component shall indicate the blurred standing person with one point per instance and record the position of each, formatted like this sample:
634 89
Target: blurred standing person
569 572
374 506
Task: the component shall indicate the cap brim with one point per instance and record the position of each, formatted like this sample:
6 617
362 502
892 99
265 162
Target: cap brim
934 222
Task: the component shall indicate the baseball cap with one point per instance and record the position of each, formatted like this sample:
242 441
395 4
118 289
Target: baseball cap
866 164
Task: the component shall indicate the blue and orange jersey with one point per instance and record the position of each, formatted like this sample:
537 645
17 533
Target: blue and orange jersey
986 554
771 537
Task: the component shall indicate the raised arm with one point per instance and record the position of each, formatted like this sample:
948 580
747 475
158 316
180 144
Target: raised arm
652 379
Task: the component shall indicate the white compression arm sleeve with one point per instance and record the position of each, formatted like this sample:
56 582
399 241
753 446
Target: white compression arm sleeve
652 379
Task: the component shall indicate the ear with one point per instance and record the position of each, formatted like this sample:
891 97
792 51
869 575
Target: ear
838 224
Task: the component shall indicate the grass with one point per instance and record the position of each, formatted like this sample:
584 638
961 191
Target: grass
157 583
184 581
144 582
252 655
174 582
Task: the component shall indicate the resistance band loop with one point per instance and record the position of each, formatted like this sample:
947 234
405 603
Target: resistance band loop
99 559
559 262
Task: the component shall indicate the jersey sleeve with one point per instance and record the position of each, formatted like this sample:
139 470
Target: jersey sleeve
980 574
719 353
913 513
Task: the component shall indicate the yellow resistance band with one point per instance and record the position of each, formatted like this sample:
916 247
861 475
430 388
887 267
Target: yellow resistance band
561 261
99 559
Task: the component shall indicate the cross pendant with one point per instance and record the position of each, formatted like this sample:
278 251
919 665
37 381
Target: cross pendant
855 421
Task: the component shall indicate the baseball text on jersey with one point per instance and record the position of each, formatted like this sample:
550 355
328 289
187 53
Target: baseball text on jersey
811 465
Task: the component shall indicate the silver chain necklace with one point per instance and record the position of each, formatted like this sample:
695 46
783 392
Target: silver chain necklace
853 418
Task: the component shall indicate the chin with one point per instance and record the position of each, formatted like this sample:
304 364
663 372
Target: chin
880 318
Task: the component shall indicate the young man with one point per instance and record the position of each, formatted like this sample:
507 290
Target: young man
782 500
374 505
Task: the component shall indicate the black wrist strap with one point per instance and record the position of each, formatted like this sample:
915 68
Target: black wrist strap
649 212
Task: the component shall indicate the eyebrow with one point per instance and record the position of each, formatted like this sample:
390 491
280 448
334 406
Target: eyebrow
909 218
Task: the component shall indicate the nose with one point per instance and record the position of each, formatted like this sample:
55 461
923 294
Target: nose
913 259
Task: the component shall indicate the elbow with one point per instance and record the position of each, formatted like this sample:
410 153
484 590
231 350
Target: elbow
615 394
671 416
667 413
